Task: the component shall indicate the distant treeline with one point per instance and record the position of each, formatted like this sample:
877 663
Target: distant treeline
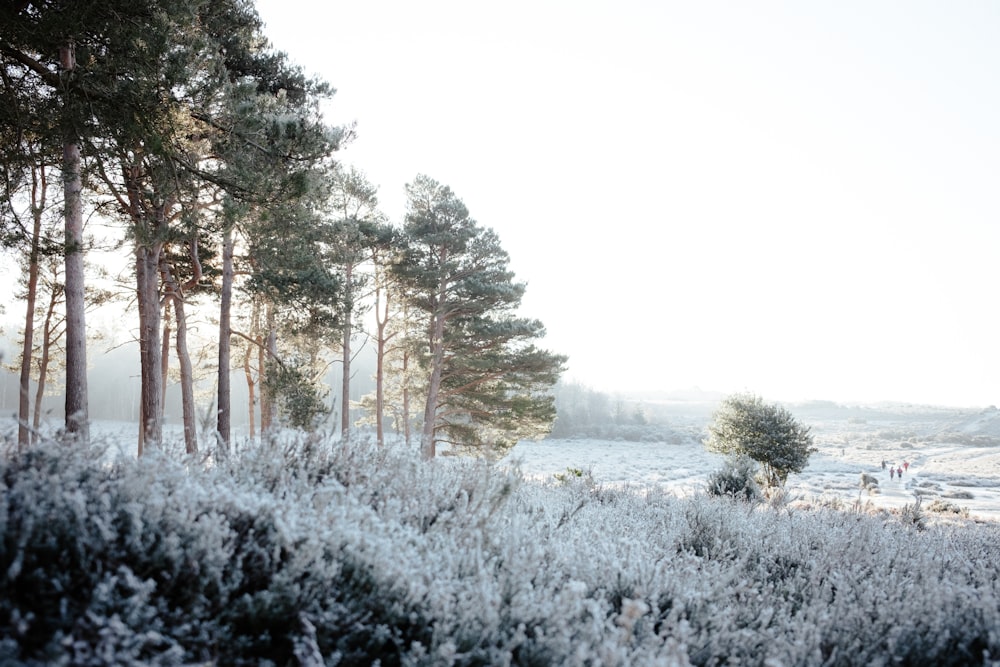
582 412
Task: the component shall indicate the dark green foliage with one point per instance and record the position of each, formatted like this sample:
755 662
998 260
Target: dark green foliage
494 382
301 398
744 425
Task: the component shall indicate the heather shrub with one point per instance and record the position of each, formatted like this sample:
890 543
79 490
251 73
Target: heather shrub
157 562
913 515
736 479
312 552
945 507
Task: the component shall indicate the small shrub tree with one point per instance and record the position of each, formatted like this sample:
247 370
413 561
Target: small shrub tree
735 480
767 433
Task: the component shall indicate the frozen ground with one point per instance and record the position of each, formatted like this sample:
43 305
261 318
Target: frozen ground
953 455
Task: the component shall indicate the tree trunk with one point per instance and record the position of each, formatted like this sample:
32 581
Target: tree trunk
407 434
223 426
251 391
380 322
77 419
272 355
43 360
427 445
147 293
175 293
265 396
165 355
27 348
268 352
345 384
187 379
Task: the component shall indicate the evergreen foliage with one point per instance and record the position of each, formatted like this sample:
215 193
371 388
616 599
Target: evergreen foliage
300 396
176 105
744 425
488 382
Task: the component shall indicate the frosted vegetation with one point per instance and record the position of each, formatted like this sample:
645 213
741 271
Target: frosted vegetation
313 552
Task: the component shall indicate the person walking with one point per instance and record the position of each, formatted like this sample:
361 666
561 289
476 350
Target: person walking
892 472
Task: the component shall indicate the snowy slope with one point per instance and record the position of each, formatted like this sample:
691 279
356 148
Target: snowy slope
953 454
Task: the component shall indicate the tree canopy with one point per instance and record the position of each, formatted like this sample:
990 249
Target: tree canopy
176 119
487 381
745 425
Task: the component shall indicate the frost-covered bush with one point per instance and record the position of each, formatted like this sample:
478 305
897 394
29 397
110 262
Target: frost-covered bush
945 507
735 480
322 552
913 515
158 562
868 483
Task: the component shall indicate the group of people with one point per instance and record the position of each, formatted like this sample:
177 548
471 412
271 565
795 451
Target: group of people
893 470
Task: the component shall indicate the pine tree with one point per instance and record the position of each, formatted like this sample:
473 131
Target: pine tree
144 91
358 229
487 383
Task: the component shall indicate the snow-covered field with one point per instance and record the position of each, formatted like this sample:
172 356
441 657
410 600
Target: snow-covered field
952 454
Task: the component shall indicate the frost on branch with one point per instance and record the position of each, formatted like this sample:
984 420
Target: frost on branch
346 553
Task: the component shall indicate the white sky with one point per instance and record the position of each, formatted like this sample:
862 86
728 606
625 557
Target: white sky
799 199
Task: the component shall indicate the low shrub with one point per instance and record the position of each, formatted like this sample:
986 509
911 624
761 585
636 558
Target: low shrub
736 479
345 553
942 506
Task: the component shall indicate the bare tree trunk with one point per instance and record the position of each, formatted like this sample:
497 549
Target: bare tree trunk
174 296
27 348
345 385
380 322
268 352
272 355
187 380
77 418
382 344
43 360
427 444
265 397
147 291
165 355
407 430
223 426
175 293
251 391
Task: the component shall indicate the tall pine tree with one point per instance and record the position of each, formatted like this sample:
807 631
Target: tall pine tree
487 381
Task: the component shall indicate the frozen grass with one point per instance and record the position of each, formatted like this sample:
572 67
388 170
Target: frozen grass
318 552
